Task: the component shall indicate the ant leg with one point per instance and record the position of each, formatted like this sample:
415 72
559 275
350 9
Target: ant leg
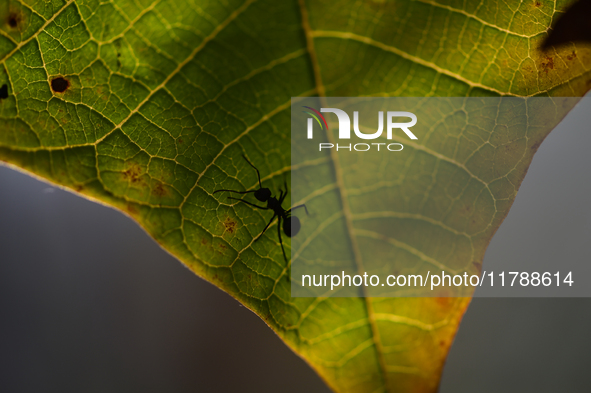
248 203
282 197
297 207
237 192
280 240
261 234
255 168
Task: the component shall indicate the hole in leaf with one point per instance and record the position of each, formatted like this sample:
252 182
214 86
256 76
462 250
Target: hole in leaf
59 84
4 91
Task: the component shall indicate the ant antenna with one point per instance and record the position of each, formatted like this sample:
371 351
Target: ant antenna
237 192
255 168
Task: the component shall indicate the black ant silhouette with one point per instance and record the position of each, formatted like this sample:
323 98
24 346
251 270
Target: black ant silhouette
291 224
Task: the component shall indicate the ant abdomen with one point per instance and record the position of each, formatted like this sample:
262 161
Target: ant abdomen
291 226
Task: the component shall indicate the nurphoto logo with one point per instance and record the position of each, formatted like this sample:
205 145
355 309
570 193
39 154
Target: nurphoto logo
344 121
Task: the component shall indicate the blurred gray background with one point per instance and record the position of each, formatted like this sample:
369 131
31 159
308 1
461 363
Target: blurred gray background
89 303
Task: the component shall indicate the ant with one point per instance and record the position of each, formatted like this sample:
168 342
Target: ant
291 224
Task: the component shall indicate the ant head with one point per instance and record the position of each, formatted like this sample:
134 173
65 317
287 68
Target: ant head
291 226
262 194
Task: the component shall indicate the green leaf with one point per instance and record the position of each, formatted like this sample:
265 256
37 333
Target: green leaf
162 97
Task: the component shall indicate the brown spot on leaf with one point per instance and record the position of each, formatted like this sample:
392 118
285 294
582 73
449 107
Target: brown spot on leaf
159 190
535 146
443 302
222 246
133 173
230 225
465 210
537 4
14 20
204 241
475 269
59 84
548 64
572 56
131 209
179 141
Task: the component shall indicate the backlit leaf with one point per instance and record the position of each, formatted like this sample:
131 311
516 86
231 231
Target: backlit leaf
148 105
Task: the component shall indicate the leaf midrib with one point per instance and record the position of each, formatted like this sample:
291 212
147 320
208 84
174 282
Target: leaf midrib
342 193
